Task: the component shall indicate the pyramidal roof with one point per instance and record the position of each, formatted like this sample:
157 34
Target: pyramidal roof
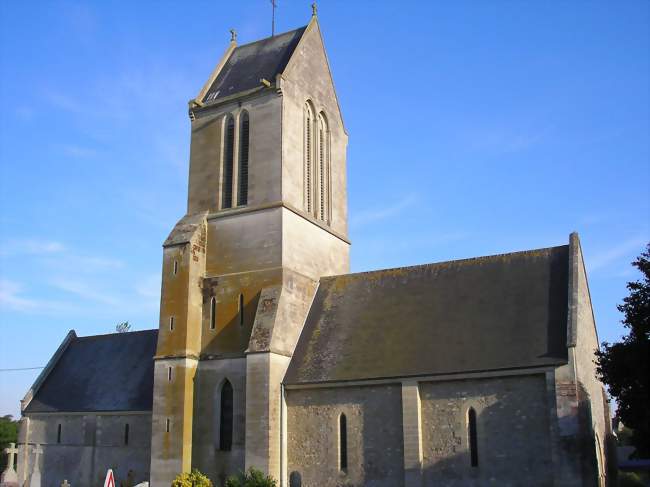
249 63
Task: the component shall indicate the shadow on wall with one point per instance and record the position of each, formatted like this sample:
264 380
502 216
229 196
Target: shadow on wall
512 450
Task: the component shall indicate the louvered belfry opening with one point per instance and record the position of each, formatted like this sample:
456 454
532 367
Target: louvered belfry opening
244 138
228 163
226 417
309 120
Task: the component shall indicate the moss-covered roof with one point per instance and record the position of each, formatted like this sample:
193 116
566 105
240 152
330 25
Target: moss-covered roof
488 313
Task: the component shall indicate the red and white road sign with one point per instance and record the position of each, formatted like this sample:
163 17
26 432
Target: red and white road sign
110 479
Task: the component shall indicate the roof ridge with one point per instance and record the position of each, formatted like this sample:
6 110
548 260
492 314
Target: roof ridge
453 261
105 335
271 37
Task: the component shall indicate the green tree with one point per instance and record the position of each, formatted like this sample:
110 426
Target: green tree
251 478
194 479
624 365
8 434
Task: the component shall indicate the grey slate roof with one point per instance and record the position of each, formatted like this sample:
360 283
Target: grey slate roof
101 373
249 63
488 313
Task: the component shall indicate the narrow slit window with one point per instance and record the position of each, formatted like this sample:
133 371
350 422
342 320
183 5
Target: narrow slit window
229 153
175 267
169 374
343 443
472 437
126 434
226 417
244 138
241 310
167 425
58 433
213 313
171 323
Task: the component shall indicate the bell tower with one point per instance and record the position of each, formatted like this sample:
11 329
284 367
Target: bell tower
266 218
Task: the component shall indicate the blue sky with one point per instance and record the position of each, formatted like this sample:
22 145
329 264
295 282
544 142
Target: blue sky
475 128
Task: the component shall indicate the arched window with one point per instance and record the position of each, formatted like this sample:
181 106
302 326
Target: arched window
472 439
308 156
225 417
343 443
126 434
241 310
213 313
228 155
323 168
244 138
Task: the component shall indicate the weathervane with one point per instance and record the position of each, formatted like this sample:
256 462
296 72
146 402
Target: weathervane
273 5
233 35
314 9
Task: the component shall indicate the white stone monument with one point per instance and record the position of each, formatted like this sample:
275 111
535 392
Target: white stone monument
35 478
65 484
9 478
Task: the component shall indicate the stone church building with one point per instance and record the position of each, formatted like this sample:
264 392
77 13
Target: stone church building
270 354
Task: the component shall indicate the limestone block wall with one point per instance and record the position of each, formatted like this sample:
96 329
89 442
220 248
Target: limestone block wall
206 455
513 436
89 445
207 152
244 242
307 77
310 250
374 432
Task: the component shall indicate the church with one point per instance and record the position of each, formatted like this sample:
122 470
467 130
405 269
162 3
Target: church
270 354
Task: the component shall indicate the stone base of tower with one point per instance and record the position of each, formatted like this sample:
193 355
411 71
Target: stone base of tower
264 374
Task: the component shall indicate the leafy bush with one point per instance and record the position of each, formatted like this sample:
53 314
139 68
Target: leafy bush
629 479
251 478
194 479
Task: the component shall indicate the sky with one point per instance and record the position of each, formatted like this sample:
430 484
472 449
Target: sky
475 128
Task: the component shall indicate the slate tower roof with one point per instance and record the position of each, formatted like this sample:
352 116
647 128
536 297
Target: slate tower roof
487 313
249 63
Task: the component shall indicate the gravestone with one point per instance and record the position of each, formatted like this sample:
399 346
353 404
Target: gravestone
9 478
35 477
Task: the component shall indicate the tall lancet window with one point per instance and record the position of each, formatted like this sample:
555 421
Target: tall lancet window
225 417
308 156
323 169
228 155
472 437
244 137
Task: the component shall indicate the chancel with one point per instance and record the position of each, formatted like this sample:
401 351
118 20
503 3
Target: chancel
270 354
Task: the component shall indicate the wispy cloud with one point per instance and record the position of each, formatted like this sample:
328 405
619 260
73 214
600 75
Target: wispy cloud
84 290
11 298
370 216
503 140
629 248
31 246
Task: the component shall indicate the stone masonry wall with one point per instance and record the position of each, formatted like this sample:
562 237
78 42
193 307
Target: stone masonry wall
374 432
512 432
90 444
